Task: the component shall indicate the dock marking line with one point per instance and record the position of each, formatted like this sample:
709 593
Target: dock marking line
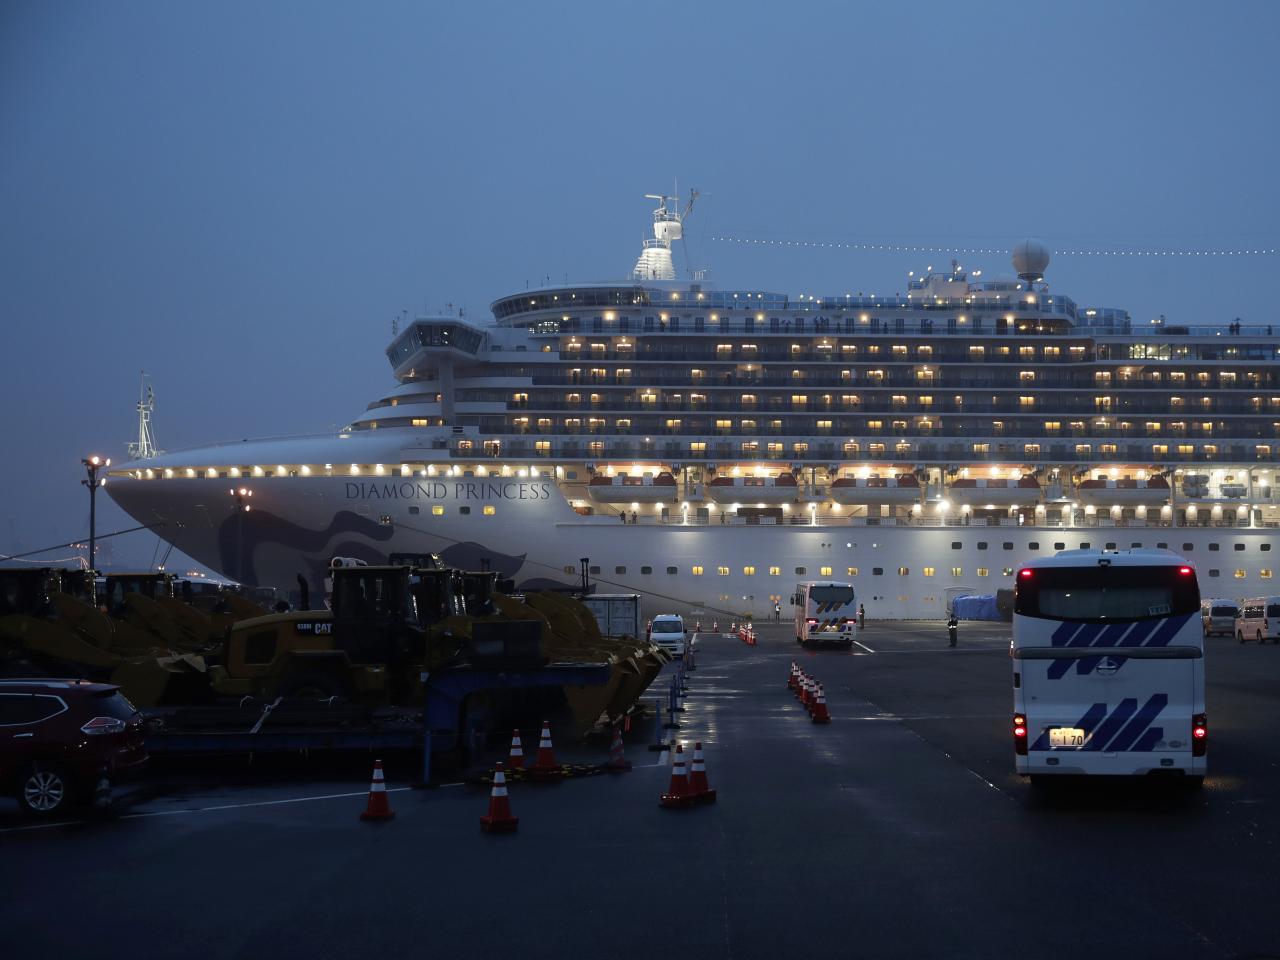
190 810
864 646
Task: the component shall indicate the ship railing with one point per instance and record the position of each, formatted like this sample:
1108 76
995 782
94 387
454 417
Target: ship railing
677 518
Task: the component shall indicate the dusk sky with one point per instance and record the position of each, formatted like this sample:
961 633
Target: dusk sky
239 197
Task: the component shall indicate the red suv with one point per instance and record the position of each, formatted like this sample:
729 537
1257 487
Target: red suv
58 738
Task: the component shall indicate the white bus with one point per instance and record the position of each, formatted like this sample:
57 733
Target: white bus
1108 666
826 612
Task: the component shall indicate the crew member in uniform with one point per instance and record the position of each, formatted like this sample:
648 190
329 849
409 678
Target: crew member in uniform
953 627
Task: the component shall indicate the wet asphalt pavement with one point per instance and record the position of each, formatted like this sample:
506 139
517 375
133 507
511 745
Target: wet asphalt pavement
897 831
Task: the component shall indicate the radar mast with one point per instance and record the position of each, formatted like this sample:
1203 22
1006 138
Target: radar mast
655 261
145 447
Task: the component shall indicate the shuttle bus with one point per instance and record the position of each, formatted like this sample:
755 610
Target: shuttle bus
1108 666
826 612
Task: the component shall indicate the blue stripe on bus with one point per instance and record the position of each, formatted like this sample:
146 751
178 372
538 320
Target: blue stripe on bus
1087 635
1148 741
1135 727
1109 727
1168 631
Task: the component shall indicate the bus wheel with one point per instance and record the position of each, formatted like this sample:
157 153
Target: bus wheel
1261 642
1240 636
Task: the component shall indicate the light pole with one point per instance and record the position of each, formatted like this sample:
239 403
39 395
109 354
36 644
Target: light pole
92 465
241 496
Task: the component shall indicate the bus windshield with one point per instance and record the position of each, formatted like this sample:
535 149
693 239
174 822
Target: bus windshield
1106 594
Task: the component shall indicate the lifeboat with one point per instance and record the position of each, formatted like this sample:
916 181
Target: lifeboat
1151 492
780 489
904 488
623 488
996 492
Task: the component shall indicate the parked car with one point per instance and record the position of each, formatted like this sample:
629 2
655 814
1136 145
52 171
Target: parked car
667 631
1259 620
58 738
1219 617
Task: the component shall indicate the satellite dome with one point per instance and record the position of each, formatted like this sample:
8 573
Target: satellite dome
1030 257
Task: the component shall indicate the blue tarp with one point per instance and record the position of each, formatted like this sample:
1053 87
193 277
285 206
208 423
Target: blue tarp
976 607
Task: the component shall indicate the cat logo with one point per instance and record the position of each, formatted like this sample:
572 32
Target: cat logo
316 629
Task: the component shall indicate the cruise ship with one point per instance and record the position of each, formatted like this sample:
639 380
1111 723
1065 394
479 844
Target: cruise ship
709 448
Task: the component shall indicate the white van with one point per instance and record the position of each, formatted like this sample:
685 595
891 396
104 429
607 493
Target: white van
1108 666
1219 617
668 632
1259 620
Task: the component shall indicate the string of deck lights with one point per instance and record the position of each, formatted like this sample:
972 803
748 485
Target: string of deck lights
907 248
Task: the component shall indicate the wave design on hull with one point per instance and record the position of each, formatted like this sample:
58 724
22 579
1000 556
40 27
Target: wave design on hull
242 533
471 555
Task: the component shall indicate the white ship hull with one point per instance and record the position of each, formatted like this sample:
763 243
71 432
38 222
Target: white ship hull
532 534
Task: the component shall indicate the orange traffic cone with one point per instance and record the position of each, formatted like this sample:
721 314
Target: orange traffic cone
499 819
795 672
677 795
617 762
545 765
515 760
698 786
378 808
818 713
806 693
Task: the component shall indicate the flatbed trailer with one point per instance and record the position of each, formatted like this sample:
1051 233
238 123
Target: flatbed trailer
250 726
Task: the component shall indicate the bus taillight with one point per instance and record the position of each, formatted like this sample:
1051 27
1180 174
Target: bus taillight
1185 571
811 621
1199 734
1019 735
1025 573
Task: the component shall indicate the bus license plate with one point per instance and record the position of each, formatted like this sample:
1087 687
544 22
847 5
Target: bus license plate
1066 737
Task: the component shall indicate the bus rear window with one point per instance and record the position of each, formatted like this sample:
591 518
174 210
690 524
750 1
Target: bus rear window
1222 612
831 594
1273 609
1106 594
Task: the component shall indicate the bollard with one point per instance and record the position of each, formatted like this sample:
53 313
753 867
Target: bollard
658 743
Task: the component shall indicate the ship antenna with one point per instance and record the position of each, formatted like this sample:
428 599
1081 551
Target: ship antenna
145 448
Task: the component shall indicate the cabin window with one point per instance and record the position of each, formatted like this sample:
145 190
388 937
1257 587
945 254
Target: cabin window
696 570
801 571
